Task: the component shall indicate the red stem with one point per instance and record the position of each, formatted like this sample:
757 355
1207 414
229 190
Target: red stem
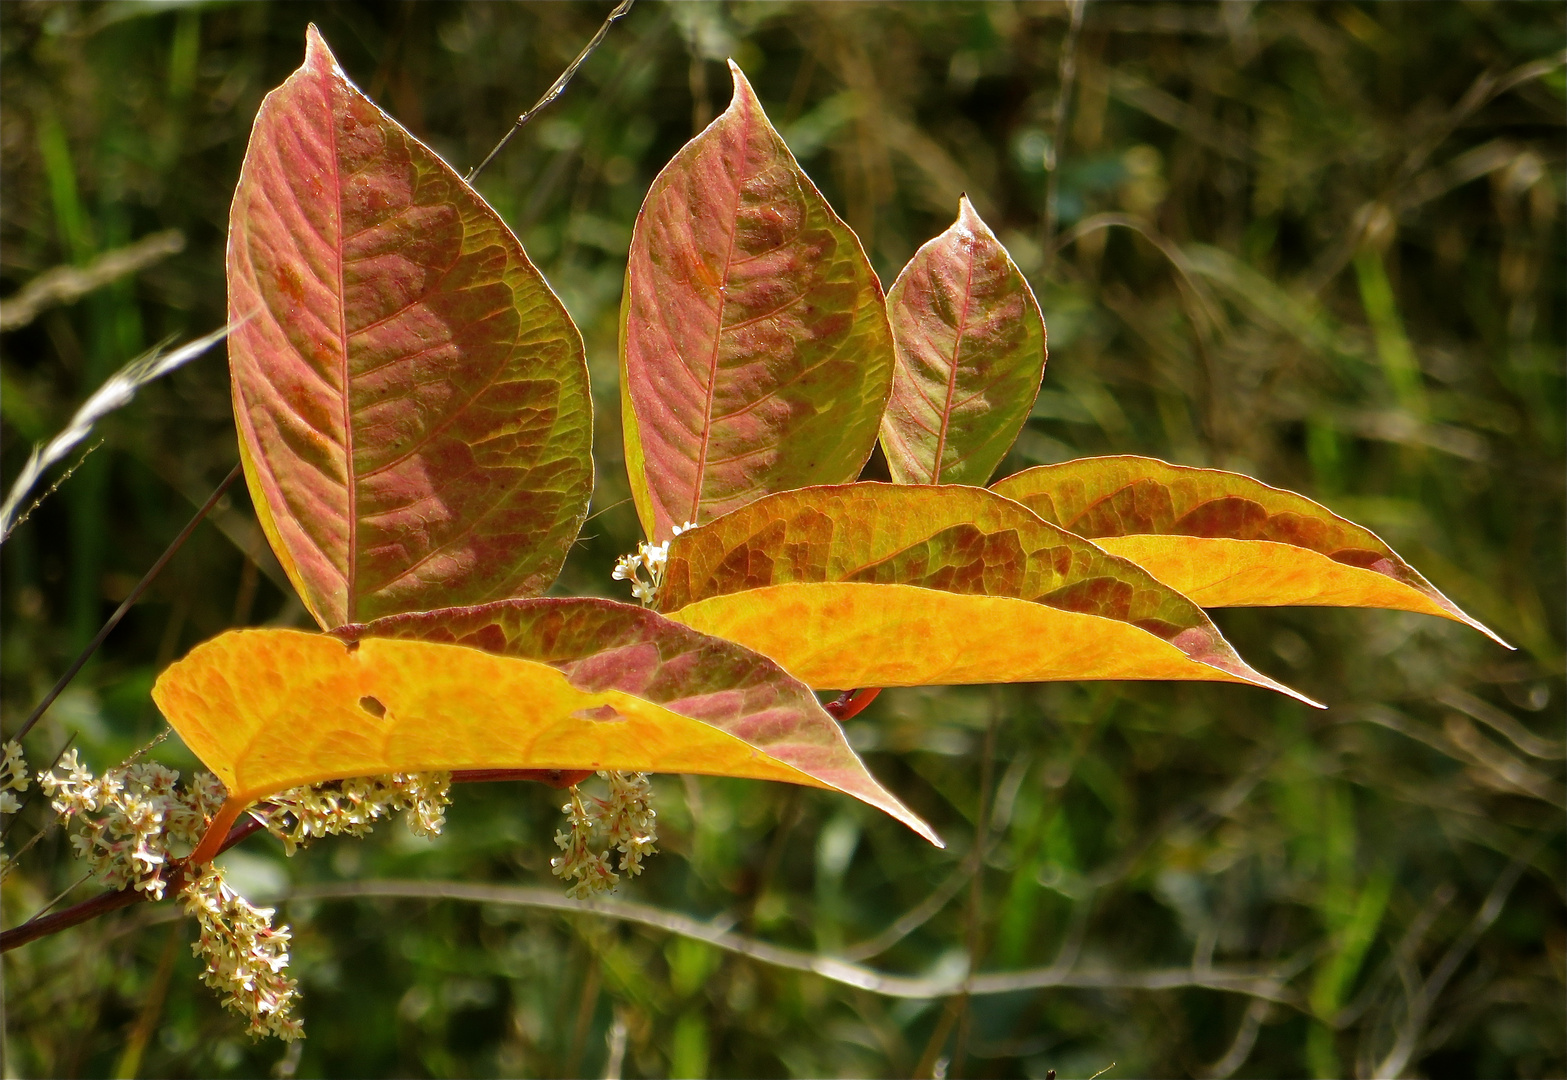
77 914
851 703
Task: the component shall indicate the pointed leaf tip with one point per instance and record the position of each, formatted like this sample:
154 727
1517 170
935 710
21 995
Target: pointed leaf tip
883 585
755 351
1226 539
970 346
412 401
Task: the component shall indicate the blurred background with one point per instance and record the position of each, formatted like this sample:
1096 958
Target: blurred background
1321 243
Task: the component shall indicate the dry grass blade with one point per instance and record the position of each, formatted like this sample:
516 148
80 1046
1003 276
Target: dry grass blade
1251 983
117 391
65 284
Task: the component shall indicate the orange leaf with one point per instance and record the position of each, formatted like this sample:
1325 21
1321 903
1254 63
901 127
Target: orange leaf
552 684
1226 540
904 585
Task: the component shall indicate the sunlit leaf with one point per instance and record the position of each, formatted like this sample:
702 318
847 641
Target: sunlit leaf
521 684
755 350
1224 539
971 351
887 585
411 397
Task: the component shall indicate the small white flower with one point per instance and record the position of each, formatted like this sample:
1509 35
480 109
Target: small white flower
351 807
13 769
245 955
628 823
651 559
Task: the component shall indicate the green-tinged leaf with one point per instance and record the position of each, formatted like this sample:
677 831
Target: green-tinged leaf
411 397
886 585
755 352
971 352
521 684
1224 539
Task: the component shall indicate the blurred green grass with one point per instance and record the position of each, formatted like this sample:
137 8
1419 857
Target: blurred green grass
1318 243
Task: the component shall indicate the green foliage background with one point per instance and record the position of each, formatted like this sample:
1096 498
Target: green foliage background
1319 243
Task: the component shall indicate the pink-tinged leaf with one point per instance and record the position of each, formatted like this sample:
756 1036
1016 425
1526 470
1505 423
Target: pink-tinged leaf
1225 539
971 353
755 352
605 645
888 585
412 399
541 685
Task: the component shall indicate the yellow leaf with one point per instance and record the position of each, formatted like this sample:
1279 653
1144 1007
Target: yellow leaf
848 634
907 585
268 710
1226 540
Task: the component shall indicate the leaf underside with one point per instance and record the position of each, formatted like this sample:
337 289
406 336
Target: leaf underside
970 347
1226 540
522 684
755 351
889 585
411 398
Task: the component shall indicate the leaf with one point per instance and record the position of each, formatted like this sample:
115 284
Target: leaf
522 684
887 585
1226 540
755 352
411 398
971 353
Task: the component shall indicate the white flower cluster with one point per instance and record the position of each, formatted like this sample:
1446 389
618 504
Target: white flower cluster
245 955
134 818
628 823
352 807
13 777
651 558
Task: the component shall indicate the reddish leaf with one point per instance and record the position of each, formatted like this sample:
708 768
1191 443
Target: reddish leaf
971 353
1225 539
411 397
886 585
754 345
520 684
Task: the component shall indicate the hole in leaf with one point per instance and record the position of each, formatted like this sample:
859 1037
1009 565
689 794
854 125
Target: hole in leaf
372 706
603 713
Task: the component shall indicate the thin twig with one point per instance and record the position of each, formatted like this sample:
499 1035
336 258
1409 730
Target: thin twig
556 89
888 984
65 284
103 903
69 889
36 928
125 606
58 482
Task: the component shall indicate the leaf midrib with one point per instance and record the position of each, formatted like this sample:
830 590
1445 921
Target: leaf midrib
952 374
718 329
350 479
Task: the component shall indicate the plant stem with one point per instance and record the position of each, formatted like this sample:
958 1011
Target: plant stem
557 88
76 914
38 927
851 703
135 595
